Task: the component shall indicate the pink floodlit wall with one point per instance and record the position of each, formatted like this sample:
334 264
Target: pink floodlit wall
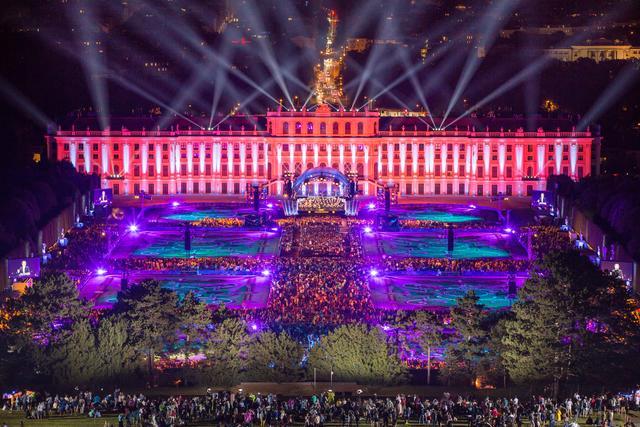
453 162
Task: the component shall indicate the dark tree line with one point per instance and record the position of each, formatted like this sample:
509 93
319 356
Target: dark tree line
33 194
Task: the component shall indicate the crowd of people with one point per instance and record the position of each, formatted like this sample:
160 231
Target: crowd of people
248 409
219 222
460 266
320 291
221 264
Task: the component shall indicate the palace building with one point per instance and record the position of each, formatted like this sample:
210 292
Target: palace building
471 157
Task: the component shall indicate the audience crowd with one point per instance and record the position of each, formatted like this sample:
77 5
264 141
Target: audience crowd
247 409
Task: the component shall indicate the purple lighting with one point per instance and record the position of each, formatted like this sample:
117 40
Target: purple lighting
101 272
266 272
367 229
373 272
175 204
254 327
372 205
508 230
133 228
472 206
270 205
274 229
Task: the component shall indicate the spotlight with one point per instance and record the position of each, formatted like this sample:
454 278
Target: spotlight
367 229
274 229
266 272
373 273
175 204
508 230
472 206
101 272
254 327
386 327
133 228
269 205
372 205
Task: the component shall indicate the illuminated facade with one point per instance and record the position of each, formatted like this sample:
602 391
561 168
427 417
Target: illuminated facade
422 162
596 53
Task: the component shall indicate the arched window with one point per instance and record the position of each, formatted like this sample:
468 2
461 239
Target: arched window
323 128
360 128
309 128
347 128
298 128
285 128
309 165
335 128
116 169
270 127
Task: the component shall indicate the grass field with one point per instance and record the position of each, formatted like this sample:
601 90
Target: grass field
14 418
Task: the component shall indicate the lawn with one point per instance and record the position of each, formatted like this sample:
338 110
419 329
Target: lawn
14 418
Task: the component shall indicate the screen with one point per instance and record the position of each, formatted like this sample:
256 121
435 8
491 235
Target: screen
542 199
24 268
102 196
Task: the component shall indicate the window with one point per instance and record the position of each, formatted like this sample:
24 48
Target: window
165 188
136 171
360 128
116 189
196 187
207 187
285 128
165 170
461 189
323 128
151 171
347 128
335 128
136 188
309 128
480 190
183 187
298 128
152 189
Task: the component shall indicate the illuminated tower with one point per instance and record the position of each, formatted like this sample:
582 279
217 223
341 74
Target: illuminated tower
328 74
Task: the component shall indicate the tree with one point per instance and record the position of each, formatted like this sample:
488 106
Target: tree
275 357
117 355
52 302
227 351
151 315
428 330
356 353
194 318
73 360
568 316
468 347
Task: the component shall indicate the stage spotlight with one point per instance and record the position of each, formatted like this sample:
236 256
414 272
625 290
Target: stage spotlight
373 272
101 272
368 229
266 272
175 204
133 228
269 205
372 205
472 206
508 230
254 327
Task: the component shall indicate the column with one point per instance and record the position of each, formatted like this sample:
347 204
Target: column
87 157
467 161
474 160
105 158
304 157
254 159
279 167
158 158
230 159
243 158
456 159
329 148
366 170
292 166
341 150
354 151
189 158
316 150
573 158
145 159
519 158
486 156
265 151
73 153
443 159
501 160
558 157
541 160
390 160
178 169
403 158
379 148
